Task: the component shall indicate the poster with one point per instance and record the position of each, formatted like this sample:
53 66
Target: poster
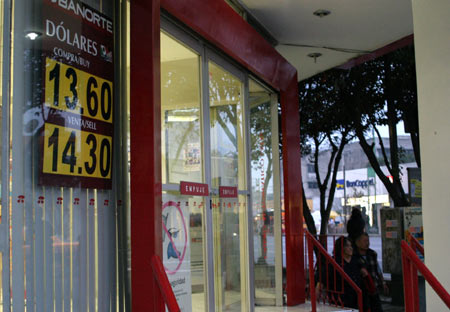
415 186
177 249
412 218
192 157
77 97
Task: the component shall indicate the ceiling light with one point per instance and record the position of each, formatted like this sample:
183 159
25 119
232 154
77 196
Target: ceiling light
32 35
322 13
315 55
181 118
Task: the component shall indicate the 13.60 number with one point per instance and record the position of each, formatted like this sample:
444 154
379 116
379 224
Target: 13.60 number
79 91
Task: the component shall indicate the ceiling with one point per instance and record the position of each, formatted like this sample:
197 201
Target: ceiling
354 28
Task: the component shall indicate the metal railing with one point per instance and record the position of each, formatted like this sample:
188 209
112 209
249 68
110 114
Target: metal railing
333 292
411 263
164 285
416 245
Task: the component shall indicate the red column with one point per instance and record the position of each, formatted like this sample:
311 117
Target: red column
290 123
146 232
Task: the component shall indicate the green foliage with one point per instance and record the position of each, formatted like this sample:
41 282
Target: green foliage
338 103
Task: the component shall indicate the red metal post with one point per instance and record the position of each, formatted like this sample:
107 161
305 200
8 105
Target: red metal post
408 289
145 129
412 262
416 245
312 288
290 123
164 285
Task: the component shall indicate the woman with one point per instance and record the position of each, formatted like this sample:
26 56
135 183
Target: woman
343 254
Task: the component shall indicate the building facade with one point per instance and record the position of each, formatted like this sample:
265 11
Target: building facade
357 185
143 129
95 147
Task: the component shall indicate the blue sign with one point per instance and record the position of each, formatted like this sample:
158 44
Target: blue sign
361 183
340 184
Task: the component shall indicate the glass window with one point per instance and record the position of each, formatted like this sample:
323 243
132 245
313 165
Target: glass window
228 169
181 148
181 151
63 177
264 201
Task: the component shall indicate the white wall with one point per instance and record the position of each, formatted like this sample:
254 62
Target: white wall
432 44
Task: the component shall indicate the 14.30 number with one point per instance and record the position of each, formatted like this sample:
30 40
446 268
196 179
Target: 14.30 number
77 153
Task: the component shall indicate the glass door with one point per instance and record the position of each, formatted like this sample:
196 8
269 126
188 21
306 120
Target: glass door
182 160
203 142
228 182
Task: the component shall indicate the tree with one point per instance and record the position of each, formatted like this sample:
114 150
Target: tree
261 157
339 104
323 126
390 95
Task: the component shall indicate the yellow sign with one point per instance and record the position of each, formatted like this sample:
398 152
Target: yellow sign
77 153
72 90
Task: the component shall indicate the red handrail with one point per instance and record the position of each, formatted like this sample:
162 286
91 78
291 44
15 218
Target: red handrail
164 285
416 245
411 263
312 242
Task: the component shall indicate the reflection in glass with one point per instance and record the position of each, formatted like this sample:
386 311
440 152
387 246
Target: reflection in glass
262 193
180 113
228 169
61 253
181 150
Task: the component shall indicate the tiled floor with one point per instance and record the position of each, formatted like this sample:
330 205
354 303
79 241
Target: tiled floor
300 308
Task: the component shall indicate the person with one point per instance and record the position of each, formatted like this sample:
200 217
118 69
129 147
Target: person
355 225
367 259
343 254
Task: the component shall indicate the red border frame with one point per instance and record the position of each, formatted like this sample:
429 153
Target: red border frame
218 23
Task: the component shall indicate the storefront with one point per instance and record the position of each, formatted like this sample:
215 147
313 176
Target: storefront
213 59
162 114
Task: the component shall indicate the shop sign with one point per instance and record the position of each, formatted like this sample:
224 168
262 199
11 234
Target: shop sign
356 183
77 101
228 192
193 189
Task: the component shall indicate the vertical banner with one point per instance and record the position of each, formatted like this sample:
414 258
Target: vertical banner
77 96
177 249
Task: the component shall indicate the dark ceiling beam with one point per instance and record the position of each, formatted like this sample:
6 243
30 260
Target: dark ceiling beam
401 43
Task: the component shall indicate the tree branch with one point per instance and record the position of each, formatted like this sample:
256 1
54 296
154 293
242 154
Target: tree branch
383 150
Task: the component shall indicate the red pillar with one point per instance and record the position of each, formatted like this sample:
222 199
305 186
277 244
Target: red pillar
290 123
146 232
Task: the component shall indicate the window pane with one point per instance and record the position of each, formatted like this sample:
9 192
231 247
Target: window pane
262 193
183 216
63 137
180 113
228 169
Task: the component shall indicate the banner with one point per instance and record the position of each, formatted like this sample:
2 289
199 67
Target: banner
78 76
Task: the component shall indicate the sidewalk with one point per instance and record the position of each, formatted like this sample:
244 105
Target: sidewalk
302 308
